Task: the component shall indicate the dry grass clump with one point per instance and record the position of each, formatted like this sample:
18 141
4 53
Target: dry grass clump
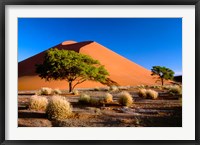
114 88
125 99
44 91
141 86
105 89
142 93
124 88
75 92
97 89
38 103
48 91
95 101
58 108
156 87
151 94
175 89
108 98
57 91
84 99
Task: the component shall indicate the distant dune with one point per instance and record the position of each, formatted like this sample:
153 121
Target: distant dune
121 70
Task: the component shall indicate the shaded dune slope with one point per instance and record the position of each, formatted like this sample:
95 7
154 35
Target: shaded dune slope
121 70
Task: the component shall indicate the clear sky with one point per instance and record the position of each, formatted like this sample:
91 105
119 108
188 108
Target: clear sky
145 41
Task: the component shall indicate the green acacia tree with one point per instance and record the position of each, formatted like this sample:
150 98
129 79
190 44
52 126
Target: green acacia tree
163 73
71 66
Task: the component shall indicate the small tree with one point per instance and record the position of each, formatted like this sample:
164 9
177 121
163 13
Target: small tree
70 66
163 73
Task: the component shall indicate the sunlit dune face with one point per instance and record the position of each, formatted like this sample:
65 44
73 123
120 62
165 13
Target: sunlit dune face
121 70
68 42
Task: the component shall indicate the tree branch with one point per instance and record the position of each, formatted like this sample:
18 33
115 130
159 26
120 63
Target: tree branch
78 82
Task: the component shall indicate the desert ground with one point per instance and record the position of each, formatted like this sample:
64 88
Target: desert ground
164 111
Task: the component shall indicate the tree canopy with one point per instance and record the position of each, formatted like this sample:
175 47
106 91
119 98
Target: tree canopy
71 66
163 73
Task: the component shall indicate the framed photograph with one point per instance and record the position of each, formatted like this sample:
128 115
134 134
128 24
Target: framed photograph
104 72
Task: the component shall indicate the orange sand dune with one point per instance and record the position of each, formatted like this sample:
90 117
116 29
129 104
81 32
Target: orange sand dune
121 70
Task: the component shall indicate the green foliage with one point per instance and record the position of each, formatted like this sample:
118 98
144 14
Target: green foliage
71 66
163 73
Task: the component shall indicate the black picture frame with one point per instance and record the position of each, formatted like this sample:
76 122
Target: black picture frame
3 4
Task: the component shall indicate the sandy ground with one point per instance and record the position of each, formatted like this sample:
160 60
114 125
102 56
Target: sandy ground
166 111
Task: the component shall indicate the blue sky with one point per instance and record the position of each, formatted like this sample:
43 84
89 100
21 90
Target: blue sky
145 41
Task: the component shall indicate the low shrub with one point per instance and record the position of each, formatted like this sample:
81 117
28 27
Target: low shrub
95 101
45 91
114 88
155 87
123 88
142 93
105 89
56 92
125 99
175 89
84 99
48 91
151 94
75 92
58 108
167 87
141 86
38 103
97 89
108 98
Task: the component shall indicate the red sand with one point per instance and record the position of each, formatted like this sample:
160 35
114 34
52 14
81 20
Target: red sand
121 70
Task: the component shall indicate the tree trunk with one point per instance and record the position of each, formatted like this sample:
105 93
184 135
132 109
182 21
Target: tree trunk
162 80
70 86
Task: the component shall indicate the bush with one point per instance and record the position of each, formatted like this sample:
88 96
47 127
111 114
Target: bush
141 86
124 87
142 93
84 99
108 98
38 103
125 99
114 88
95 101
156 87
175 89
45 91
56 91
151 94
96 89
48 91
75 92
58 108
